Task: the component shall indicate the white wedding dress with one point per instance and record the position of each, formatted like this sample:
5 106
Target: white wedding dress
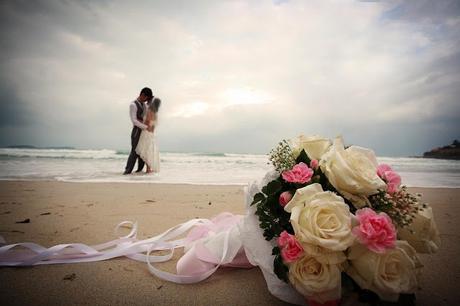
147 149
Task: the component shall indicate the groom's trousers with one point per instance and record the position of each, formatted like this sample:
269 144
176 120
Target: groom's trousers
133 156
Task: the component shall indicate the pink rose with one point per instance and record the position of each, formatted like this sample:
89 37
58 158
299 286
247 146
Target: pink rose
283 239
291 250
393 181
300 173
285 197
314 164
382 168
376 231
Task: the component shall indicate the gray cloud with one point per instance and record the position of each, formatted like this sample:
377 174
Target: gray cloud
424 11
234 76
12 112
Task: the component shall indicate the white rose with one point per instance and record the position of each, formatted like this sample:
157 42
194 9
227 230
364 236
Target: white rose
352 171
316 280
314 146
320 218
389 274
422 233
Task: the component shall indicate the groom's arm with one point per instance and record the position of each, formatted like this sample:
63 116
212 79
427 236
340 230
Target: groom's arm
132 115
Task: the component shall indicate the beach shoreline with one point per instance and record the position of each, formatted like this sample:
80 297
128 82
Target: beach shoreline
107 166
65 212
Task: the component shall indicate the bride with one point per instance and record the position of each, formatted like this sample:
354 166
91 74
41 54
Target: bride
147 147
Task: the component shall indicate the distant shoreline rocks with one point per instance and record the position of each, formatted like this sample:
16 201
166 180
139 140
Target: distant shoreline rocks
447 152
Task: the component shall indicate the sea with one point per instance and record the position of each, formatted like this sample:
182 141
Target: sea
78 165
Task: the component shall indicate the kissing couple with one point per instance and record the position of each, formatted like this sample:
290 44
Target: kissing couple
144 114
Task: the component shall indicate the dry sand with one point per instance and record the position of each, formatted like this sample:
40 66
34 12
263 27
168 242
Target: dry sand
88 212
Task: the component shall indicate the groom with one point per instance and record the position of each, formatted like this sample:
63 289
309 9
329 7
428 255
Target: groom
136 113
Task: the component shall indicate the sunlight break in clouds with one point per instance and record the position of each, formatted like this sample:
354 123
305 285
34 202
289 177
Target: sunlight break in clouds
192 109
244 96
231 97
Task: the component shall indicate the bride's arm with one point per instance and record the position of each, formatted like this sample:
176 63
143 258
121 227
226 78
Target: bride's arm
149 121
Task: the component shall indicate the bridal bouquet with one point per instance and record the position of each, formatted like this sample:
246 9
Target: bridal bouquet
336 219
326 220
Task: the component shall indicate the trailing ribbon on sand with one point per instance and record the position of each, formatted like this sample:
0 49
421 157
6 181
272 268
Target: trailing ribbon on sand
209 245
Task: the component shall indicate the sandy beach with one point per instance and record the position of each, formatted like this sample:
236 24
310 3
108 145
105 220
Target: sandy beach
88 212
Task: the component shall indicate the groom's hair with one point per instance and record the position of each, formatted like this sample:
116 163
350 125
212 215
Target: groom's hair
147 92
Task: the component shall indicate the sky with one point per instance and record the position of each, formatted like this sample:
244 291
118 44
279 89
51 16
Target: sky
233 76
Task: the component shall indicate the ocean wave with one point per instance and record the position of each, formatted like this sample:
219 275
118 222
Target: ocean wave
6 153
39 148
195 168
210 154
60 154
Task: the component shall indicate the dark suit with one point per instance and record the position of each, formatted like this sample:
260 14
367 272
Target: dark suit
135 134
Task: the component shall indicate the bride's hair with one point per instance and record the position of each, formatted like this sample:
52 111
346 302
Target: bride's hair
155 105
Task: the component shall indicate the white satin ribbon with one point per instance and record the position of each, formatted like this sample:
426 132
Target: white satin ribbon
129 246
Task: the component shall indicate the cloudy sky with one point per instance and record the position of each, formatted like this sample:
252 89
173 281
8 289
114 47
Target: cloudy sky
234 76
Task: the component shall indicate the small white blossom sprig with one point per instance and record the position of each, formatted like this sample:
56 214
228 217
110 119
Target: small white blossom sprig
282 156
401 206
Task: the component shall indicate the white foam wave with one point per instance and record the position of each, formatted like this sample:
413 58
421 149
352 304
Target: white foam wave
188 168
60 153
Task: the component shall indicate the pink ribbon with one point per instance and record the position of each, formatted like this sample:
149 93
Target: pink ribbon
198 262
199 259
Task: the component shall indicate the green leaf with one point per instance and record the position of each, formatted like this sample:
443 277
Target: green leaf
258 197
303 158
280 269
273 187
268 235
273 203
407 299
348 283
368 296
265 190
276 251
